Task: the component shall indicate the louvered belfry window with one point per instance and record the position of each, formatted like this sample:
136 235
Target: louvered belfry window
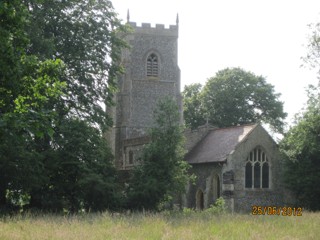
152 65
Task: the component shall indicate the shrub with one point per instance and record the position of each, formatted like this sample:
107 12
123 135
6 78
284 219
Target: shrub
218 207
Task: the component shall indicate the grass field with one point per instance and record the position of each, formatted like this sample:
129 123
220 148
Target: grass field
160 226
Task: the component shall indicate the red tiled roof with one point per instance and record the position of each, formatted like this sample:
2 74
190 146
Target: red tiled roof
218 144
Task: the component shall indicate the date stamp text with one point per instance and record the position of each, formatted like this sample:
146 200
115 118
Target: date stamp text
278 211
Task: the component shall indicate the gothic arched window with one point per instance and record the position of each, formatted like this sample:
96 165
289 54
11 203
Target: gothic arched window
152 65
257 169
216 187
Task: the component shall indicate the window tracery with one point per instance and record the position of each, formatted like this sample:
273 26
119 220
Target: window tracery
257 169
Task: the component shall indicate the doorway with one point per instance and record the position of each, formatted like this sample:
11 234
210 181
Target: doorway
199 200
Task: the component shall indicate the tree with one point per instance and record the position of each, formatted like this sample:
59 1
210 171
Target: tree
58 62
312 58
234 97
302 147
193 112
301 144
78 173
162 172
86 36
26 86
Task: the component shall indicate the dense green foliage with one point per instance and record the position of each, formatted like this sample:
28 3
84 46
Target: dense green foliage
85 36
232 97
58 64
193 113
27 85
163 172
76 173
302 146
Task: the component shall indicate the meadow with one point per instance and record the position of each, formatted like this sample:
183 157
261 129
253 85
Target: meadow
166 225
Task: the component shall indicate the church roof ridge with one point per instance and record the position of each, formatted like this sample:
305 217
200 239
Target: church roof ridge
231 127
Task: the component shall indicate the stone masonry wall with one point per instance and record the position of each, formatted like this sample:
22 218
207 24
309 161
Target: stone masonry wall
245 198
145 96
205 174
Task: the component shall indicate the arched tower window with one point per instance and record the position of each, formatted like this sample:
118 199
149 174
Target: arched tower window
257 169
152 65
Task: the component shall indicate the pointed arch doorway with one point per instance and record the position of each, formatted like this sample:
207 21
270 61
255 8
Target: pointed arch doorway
199 200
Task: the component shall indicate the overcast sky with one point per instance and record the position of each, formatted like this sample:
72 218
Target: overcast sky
266 37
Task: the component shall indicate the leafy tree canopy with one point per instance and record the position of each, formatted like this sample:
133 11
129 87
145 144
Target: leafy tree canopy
85 35
58 64
302 146
233 96
193 113
27 85
76 172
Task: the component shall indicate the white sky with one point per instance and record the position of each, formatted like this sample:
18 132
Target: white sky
266 37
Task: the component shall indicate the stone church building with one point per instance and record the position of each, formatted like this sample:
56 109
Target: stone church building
241 163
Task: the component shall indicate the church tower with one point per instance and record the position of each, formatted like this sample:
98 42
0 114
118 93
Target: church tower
151 73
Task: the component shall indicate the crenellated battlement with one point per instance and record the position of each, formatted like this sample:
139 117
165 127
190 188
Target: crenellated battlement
160 29
148 26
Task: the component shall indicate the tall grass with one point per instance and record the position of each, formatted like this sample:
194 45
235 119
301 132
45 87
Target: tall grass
190 225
